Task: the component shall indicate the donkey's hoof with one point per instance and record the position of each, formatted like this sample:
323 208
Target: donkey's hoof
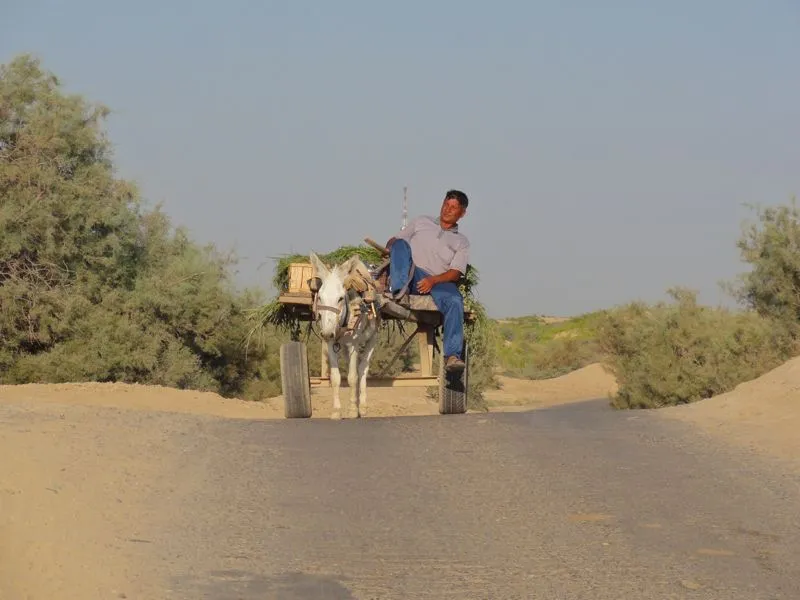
336 415
362 411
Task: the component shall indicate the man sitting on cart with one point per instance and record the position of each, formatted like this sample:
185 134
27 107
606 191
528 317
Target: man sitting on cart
429 256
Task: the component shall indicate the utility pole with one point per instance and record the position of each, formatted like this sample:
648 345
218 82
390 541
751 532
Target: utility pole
405 206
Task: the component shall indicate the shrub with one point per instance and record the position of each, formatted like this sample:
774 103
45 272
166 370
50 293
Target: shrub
772 286
531 348
677 353
555 358
92 286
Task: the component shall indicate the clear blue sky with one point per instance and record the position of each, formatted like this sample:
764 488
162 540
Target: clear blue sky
607 147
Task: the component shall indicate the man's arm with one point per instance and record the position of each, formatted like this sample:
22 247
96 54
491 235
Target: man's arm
451 275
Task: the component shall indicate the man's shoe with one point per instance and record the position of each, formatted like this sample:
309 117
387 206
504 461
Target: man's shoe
453 364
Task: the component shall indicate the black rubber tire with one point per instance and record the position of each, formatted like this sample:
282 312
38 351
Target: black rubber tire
295 381
453 388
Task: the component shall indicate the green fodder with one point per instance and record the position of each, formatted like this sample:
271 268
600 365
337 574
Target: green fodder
368 254
280 279
677 353
481 336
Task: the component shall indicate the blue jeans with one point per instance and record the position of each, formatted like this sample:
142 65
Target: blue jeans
445 295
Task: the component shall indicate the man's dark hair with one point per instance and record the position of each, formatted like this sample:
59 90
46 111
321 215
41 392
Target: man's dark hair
457 195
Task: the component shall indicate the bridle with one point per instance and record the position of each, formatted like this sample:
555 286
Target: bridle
343 312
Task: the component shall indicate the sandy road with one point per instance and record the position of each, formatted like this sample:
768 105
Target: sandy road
576 501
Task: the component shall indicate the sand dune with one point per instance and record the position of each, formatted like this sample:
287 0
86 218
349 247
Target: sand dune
763 414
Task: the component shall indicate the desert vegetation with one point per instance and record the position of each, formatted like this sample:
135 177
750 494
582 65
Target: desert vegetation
679 351
534 347
94 285
97 286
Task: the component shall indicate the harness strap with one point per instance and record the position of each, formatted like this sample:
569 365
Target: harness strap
404 290
345 314
358 284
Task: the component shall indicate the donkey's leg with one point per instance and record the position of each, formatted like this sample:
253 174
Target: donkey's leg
363 370
352 380
336 381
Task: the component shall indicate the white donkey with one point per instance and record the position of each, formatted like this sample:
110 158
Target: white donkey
334 304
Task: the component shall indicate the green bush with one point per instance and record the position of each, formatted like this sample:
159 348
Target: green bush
481 337
772 286
555 358
530 348
677 353
93 287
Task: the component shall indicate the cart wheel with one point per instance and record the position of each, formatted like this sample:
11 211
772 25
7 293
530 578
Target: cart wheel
295 381
453 388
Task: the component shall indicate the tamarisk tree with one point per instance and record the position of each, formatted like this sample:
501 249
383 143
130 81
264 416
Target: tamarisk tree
92 285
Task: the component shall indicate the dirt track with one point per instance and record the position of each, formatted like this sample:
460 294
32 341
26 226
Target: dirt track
179 490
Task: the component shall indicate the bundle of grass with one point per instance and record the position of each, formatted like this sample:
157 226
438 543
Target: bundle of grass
280 280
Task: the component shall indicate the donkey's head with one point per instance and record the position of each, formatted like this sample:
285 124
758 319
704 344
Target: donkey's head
330 306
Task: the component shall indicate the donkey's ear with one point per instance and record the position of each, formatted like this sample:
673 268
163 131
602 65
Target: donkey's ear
348 266
320 270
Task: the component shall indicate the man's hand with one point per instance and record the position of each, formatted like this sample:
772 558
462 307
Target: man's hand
425 285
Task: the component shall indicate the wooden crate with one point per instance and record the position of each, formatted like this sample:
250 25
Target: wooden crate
299 274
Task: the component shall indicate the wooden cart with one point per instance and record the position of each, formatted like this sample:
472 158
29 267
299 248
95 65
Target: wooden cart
426 321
